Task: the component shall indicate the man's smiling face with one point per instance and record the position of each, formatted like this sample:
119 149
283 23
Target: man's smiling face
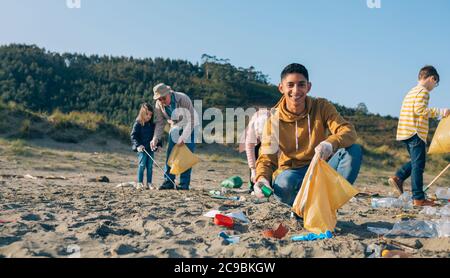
295 87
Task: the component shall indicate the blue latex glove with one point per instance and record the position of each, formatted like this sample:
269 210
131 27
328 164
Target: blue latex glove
312 236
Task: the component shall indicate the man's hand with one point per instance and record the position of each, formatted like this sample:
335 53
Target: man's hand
154 145
446 112
325 150
140 149
257 188
253 175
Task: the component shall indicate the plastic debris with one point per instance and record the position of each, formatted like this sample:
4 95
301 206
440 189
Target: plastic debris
395 254
378 231
278 233
444 211
374 250
266 191
405 216
236 215
232 182
212 213
414 228
130 184
229 239
404 201
223 220
215 192
443 227
429 211
312 236
234 198
443 193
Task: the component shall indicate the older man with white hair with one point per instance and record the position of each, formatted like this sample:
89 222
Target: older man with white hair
176 109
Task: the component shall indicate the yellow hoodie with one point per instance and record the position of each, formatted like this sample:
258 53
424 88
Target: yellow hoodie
293 146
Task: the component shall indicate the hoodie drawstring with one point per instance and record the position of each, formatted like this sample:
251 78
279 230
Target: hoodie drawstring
296 132
309 129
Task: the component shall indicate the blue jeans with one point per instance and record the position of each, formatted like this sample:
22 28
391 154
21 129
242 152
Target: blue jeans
185 178
145 163
417 151
346 162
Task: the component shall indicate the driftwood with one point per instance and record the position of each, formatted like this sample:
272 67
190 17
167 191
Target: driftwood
395 243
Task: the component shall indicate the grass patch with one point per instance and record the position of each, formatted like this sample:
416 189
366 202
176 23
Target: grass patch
70 156
19 148
87 120
216 158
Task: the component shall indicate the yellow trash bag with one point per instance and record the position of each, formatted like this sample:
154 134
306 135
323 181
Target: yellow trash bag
322 193
441 138
181 159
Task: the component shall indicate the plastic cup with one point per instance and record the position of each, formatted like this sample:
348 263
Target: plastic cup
223 220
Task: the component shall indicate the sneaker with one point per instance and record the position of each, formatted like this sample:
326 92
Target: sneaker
183 187
166 185
149 186
424 203
139 186
397 183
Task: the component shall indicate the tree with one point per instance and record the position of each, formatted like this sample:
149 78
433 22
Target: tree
361 108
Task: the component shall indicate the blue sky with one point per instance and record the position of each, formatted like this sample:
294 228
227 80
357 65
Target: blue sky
354 54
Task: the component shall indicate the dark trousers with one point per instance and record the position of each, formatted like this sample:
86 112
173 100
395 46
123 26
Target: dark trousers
417 151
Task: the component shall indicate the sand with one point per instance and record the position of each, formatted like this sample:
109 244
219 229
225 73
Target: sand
78 218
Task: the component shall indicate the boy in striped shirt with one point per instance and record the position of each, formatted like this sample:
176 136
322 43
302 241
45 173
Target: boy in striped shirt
413 131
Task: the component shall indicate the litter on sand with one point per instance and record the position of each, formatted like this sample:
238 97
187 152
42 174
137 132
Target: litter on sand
236 215
278 233
228 238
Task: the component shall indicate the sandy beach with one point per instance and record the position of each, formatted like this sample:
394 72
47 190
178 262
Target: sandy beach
74 217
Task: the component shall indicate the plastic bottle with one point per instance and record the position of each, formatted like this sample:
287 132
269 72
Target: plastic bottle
383 202
404 201
232 182
266 191
443 227
443 193
414 228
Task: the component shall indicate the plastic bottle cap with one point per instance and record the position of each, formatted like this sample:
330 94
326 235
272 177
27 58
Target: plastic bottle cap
266 191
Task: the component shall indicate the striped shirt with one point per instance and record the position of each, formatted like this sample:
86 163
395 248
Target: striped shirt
415 113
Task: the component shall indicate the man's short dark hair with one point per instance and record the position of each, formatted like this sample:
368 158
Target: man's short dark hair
295 68
428 71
